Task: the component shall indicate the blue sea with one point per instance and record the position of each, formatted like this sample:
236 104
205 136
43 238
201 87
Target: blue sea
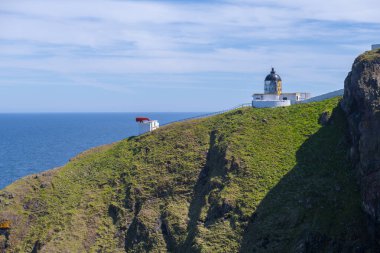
31 143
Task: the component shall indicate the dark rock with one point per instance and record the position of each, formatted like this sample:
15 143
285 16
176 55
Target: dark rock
235 165
324 118
264 120
44 185
170 240
315 242
36 205
115 213
164 189
37 246
216 183
168 165
7 195
226 207
361 103
219 208
137 237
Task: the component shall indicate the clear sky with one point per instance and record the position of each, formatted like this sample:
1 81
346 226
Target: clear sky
114 55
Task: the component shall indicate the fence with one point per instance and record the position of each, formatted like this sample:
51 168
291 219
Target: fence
209 114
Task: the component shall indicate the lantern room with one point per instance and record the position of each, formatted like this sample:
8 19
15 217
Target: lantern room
273 83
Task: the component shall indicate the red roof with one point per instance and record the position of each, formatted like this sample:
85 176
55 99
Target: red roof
141 119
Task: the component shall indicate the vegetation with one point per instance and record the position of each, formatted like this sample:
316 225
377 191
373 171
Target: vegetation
247 180
369 56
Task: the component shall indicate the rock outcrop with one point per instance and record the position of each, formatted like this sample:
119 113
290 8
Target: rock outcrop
361 104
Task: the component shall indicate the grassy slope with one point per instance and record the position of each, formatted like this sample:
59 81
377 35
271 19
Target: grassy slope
248 180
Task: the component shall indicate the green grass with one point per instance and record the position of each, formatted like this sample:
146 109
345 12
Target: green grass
247 180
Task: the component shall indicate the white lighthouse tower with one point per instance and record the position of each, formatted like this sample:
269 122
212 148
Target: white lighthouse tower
146 125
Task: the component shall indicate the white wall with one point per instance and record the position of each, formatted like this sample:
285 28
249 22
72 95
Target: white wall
144 127
295 96
260 96
154 125
305 95
148 126
270 103
324 96
274 102
289 96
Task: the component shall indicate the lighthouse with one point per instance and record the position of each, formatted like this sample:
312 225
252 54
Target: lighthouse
273 95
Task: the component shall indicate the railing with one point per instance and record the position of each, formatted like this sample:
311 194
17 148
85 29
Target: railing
209 114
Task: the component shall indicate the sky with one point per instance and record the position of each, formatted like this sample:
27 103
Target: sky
173 56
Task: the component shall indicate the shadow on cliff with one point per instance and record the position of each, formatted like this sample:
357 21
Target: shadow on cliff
215 166
316 206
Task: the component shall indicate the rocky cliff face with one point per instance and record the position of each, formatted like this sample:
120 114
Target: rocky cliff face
361 104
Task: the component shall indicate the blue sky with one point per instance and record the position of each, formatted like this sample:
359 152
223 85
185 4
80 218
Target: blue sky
144 56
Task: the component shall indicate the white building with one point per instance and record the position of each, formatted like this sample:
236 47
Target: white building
273 95
146 125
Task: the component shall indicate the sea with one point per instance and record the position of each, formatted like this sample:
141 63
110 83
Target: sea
35 142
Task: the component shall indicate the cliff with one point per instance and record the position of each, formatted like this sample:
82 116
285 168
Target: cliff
361 104
250 180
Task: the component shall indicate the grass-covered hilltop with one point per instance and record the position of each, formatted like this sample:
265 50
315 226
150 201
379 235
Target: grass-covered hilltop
250 180
304 178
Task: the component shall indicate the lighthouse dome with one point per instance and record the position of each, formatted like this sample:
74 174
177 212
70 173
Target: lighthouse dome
273 83
273 76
